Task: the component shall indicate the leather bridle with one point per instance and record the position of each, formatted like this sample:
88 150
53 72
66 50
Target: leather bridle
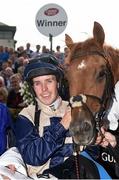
108 92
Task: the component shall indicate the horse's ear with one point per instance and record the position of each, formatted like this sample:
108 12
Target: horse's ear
98 33
68 41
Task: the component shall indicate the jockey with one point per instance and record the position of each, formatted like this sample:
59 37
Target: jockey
41 129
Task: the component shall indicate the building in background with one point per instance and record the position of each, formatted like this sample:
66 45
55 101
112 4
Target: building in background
7 35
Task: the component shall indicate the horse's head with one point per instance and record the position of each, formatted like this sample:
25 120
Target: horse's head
90 72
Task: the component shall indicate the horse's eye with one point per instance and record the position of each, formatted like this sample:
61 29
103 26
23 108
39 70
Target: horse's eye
101 75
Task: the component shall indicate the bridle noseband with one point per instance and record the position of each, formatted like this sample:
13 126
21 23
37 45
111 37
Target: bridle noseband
80 100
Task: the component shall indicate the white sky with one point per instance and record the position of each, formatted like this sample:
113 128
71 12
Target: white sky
81 16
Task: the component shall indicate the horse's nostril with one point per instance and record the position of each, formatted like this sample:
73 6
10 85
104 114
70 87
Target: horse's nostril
80 128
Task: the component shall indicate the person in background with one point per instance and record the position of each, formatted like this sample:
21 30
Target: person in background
59 55
20 51
15 100
3 67
5 123
37 52
66 53
19 63
2 82
3 95
8 73
44 49
28 50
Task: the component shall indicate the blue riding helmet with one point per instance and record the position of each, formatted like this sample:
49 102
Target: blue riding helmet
45 64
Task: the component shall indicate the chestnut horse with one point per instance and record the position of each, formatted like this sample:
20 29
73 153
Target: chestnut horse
92 69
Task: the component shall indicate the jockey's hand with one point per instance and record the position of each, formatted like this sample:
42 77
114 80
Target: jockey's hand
66 119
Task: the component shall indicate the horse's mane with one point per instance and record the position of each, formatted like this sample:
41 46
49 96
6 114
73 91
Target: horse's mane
112 52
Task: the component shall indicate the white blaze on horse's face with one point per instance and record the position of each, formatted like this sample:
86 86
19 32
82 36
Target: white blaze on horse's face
82 64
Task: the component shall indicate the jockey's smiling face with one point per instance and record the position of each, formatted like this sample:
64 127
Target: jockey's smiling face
46 88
